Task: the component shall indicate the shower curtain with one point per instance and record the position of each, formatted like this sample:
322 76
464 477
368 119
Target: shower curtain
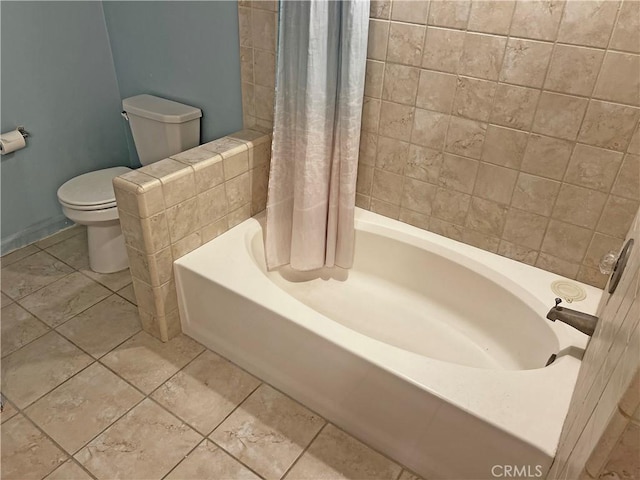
322 49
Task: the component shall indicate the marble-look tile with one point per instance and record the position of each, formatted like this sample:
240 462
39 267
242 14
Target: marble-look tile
268 432
593 277
147 362
609 125
264 29
368 148
495 183
128 293
210 462
423 164
380 9
40 366
446 229
417 196
619 79
409 11
19 254
32 273
524 228
378 40
559 115
186 245
556 265
429 128
113 281
436 91
68 471
474 98
387 187
626 33
465 137
486 217
405 43
370 114
212 205
246 64
183 219
449 13
414 218
60 236
364 179
337 455
517 252
482 55
504 146
264 67
617 216
514 106
392 155
588 23
593 167
573 69
565 241
458 173
407 475
27 454
18 327
81 408
443 48
178 181
628 182
537 19
146 443
547 157
206 391
578 205
384 208
374 78
624 457
239 215
264 102
62 300
480 240
244 26
4 300
8 410
234 165
492 16
238 191
103 327
599 246
451 206
525 62
535 194
396 120
74 251
400 83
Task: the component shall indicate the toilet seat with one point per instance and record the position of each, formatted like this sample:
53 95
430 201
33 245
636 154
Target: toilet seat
91 191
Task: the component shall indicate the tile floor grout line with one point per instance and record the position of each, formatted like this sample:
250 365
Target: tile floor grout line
304 450
251 469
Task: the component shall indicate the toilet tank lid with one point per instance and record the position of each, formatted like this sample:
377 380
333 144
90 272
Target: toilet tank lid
160 109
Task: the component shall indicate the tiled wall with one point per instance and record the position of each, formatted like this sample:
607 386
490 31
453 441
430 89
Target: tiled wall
258 34
512 126
173 206
602 432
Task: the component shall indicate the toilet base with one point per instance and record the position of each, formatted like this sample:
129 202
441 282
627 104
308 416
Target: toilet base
107 252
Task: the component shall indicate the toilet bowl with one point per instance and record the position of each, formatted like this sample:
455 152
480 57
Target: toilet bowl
89 200
160 128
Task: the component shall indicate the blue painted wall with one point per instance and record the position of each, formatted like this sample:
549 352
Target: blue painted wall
184 51
67 65
58 81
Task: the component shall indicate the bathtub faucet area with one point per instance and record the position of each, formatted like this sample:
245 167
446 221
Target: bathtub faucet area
582 321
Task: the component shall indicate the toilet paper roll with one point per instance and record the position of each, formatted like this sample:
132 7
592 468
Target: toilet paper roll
11 141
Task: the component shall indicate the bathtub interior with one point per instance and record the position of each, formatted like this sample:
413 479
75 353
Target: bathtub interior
423 302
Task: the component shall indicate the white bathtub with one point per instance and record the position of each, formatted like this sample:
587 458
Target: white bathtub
429 350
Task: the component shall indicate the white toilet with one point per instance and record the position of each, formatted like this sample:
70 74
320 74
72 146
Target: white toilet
160 128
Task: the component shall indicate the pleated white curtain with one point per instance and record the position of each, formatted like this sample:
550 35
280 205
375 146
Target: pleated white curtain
320 69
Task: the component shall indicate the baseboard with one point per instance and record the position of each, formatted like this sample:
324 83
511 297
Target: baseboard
34 233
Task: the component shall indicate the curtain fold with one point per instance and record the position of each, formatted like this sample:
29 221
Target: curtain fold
320 74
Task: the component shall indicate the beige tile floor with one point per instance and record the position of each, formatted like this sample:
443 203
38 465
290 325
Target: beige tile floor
90 395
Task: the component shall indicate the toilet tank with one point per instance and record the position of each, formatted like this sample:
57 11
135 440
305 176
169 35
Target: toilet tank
161 127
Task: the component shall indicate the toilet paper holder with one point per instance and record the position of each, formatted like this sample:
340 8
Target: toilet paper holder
22 131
